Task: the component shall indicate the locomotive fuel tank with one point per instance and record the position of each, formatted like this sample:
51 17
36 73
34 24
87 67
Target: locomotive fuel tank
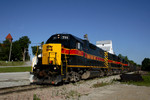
90 74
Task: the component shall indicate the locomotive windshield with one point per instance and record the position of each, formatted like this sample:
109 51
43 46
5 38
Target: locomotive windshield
63 39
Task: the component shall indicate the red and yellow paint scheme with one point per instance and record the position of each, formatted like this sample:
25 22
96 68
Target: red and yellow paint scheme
68 58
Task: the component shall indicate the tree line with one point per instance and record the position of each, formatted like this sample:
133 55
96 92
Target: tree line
145 63
19 50
126 59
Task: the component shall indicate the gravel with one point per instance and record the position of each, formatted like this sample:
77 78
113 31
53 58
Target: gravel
83 90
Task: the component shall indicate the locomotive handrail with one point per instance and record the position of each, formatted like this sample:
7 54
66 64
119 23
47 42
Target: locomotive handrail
55 58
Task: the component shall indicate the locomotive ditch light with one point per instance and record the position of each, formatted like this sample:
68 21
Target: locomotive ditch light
55 68
40 47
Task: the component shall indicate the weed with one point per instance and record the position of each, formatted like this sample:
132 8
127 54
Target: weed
100 84
57 93
73 94
64 88
75 84
35 97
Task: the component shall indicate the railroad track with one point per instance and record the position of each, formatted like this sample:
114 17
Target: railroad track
17 89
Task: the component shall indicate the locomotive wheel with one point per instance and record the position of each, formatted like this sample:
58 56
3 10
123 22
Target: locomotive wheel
102 73
75 77
109 73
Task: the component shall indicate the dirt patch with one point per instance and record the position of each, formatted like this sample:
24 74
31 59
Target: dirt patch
119 92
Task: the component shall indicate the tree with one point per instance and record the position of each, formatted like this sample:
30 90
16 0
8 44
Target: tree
120 56
126 58
4 55
146 64
19 49
16 51
123 57
24 44
35 49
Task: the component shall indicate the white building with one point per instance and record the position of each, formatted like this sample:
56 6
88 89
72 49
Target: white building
105 45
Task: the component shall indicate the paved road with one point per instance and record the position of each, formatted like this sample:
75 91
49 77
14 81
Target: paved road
14 79
29 63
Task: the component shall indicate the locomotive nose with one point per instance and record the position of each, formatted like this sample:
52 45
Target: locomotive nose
51 54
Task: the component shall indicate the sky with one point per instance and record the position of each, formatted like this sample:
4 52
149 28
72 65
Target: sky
125 22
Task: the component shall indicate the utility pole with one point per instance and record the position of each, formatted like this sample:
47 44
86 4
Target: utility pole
9 37
10 51
24 54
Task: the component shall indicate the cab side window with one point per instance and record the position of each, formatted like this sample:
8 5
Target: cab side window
78 46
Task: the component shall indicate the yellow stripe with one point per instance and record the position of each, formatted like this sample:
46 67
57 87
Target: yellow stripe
115 68
86 66
91 66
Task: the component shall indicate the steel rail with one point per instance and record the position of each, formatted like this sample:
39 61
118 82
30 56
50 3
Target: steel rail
17 89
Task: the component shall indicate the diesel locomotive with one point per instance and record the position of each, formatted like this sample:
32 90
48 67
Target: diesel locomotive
67 58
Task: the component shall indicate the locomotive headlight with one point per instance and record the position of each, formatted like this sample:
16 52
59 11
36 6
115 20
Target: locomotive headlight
58 36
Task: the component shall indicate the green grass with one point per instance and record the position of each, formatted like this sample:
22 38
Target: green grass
15 69
146 81
11 63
